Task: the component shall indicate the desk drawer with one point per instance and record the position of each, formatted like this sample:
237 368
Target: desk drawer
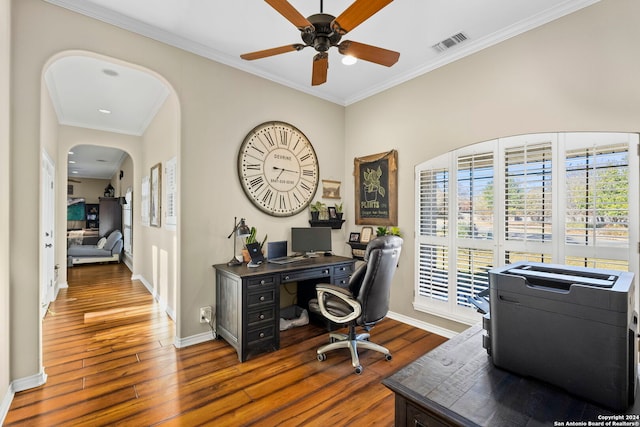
260 334
343 282
342 270
261 282
265 296
316 273
265 314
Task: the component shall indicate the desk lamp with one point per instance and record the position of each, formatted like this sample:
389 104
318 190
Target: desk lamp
240 229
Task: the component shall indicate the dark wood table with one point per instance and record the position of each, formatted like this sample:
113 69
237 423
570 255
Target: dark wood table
456 384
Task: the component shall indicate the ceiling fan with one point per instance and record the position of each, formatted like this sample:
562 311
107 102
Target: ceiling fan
323 31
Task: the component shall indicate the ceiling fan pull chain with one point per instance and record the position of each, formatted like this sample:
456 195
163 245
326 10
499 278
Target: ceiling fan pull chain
321 6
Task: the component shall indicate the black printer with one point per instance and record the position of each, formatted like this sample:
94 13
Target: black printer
572 327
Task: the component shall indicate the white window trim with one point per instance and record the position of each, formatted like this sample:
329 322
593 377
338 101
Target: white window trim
561 142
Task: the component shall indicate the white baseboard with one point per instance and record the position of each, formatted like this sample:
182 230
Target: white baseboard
6 404
163 305
144 283
19 385
447 333
29 382
62 285
178 342
193 339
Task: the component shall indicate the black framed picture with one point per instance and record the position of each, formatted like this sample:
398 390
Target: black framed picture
376 189
354 237
332 212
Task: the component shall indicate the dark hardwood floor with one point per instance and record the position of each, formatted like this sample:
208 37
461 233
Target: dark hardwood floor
110 360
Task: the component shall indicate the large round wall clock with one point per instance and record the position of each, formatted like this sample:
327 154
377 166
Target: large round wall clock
278 168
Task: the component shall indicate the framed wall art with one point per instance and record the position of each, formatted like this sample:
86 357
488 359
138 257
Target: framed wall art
330 189
376 188
155 195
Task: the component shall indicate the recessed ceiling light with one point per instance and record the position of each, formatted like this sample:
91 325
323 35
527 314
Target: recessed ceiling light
101 161
72 161
349 60
110 72
104 111
74 171
71 153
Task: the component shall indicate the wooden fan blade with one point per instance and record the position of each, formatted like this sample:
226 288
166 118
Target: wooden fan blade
356 14
291 14
320 67
369 53
271 52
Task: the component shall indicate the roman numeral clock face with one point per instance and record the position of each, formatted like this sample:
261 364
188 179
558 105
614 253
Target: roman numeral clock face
278 168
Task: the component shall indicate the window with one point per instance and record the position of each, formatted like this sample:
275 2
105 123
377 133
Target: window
565 198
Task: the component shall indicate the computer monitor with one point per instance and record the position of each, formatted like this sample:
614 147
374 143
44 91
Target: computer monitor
310 240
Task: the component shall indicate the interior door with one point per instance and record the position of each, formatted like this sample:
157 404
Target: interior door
47 221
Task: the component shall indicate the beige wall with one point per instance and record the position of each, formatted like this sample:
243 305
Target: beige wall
90 189
5 54
575 74
158 253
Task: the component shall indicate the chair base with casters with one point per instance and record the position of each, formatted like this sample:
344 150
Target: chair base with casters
353 342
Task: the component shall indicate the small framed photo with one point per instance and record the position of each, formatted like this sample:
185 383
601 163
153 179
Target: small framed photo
354 237
332 212
365 234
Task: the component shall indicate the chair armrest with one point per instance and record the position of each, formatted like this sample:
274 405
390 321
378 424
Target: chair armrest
342 294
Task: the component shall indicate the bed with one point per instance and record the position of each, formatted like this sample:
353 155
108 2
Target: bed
105 250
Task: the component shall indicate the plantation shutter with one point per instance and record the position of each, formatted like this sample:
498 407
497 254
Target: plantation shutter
433 259
528 202
597 211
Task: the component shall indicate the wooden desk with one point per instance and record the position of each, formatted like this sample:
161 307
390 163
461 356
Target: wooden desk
456 384
248 299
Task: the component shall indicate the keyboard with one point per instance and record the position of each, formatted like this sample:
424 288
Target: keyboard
286 259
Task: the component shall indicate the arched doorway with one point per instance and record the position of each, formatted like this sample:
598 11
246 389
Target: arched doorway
97 101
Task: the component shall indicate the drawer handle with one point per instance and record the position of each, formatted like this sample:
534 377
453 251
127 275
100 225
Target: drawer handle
326 272
286 277
261 297
261 334
261 316
262 282
343 268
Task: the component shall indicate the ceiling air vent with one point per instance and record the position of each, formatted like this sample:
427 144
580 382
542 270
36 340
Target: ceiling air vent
450 42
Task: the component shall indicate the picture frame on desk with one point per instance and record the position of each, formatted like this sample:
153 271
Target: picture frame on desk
354 237
365 234
332 212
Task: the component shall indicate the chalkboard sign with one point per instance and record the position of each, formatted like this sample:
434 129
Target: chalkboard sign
376 189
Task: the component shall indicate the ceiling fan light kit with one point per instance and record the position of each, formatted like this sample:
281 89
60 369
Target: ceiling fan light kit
323 31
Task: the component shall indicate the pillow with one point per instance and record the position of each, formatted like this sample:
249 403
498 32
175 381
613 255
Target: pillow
101 243
113 239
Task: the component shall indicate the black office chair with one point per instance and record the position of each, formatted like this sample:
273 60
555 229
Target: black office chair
364 303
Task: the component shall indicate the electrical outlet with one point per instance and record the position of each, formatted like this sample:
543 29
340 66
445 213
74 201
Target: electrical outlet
205 314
